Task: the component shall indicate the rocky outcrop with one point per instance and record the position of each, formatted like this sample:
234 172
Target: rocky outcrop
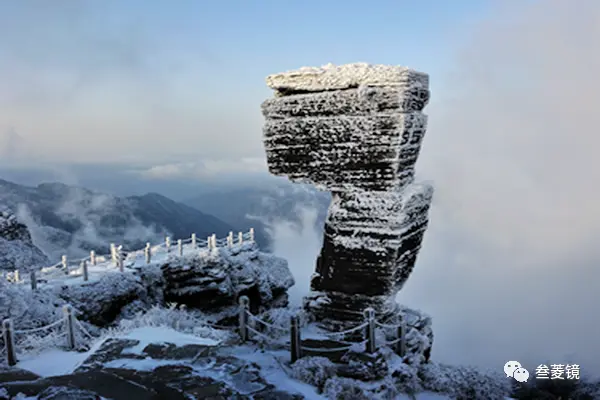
355 130
214 280
161 370
17 250
101 302
210 281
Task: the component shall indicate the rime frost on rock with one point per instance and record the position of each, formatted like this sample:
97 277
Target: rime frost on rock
27 308
355 130
338 77
210 281
17 250
213 280
373 152
102 301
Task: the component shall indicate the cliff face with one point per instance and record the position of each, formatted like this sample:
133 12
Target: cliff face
17 250
355 130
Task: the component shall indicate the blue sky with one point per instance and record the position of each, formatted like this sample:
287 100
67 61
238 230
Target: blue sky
254 38
188 76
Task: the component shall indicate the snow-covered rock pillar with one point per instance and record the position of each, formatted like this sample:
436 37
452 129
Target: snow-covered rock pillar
355 130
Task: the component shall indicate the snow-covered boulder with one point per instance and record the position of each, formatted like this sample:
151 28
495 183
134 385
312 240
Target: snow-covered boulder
28 308
208 281
213 280
101 302
17 250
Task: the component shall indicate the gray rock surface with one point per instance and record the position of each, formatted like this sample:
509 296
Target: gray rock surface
355 130
214 281
166 371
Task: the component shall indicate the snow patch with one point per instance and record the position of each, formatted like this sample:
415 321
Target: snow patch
53 362
162 334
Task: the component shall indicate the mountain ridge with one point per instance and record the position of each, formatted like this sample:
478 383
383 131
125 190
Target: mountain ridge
72 220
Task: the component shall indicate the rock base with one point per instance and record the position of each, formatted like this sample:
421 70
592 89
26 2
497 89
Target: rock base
418 334
176 372
369 250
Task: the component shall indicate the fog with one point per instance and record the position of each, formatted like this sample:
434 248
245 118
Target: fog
509 268
87 209
300 246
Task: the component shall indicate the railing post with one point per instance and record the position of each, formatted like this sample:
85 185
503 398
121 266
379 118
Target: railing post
370 330
243 317
148 253
84 267
214 241
209 242
93 257
168 243
120 258
16 276
113 255
230 239
240 238
65 264
251 234
9 344
295 340
194 245
401 337
180 247
68 310
33 280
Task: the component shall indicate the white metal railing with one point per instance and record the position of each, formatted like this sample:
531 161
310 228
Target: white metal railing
248 325
119 256
67 327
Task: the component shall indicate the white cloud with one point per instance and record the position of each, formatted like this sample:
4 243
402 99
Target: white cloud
509 267
204 169
82 85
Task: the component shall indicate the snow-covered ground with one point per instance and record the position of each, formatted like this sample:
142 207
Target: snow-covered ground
54 275
55 362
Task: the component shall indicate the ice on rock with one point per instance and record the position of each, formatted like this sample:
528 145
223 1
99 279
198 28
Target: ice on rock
356 131
339 77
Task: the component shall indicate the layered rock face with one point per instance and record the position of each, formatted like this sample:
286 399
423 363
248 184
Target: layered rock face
355 130
214 280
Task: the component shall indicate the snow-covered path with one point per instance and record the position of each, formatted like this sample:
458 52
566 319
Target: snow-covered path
55 275
56 362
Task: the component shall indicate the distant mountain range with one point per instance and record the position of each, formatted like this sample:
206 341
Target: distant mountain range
264 206
65 219
71 220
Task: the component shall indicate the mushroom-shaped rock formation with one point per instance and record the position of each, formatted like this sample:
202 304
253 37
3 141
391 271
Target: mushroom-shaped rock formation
355 130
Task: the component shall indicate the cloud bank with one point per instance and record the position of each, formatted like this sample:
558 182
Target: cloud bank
107 82
510 266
